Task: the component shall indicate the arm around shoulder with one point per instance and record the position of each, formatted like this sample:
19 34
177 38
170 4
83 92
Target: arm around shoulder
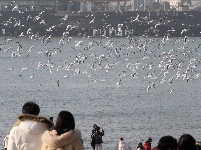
79 145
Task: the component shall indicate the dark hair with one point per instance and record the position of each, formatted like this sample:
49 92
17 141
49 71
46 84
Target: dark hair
140 146
31 108
51 118
94 126
65 122
186 142
149 140
97 128
167 142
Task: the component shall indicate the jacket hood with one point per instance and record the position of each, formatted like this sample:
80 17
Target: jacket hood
32 127
40 119
33 124
51 138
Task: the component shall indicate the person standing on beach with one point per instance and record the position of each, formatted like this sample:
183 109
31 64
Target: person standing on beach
93 142
99 132
26 133
140 147
123 145
147 144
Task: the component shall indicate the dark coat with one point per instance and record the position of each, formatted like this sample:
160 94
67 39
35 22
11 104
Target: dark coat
97 136
93 142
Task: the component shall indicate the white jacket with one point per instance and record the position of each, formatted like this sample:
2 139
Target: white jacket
5 142
124 145
70 140
27 135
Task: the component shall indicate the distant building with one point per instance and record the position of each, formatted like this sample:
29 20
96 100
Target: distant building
96 5
196 5
176 4
104 5
37 5
141 5
166 6
155 6
62 5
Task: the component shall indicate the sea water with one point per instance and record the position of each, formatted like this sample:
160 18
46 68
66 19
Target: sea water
134 88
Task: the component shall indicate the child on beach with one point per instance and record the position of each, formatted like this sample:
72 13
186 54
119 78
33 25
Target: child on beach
140 147
147 144
123 145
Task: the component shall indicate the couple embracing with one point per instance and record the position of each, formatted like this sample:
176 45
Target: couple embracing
34 132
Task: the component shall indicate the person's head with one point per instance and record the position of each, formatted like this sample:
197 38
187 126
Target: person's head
186 142
121 139
97 128
167 143
140 145
51 118
65 122
94 126
149 140
31 108
155 148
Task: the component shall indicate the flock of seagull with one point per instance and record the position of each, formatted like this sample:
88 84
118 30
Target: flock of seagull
152 60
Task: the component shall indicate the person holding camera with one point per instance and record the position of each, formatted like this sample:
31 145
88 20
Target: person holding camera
97 137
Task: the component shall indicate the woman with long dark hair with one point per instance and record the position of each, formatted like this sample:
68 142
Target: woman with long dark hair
64 135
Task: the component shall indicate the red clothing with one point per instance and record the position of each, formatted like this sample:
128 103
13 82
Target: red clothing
147 145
